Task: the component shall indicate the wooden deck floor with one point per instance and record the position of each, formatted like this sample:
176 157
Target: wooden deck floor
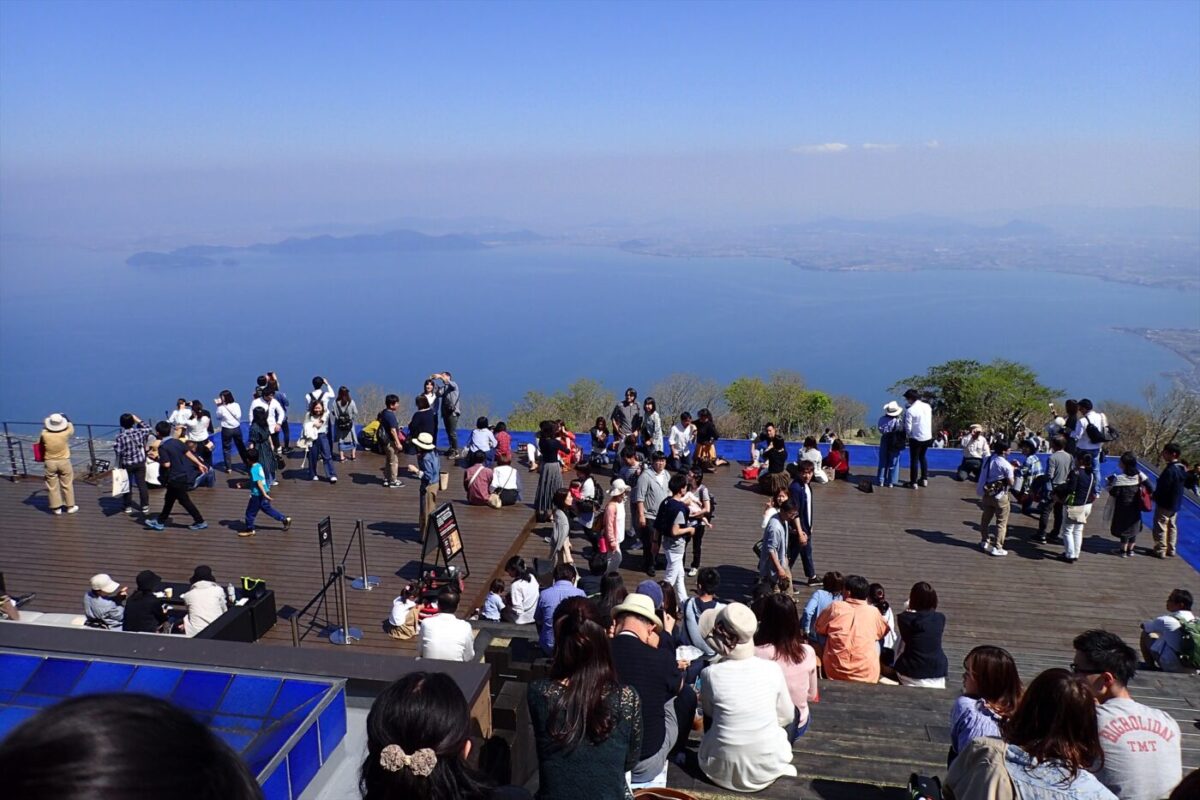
861 739
56 555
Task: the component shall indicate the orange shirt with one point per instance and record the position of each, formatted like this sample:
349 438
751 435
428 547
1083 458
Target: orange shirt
852 629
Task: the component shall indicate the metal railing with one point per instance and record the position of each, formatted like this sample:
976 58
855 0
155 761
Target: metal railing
91 449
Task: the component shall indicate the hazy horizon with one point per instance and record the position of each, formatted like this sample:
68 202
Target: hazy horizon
170 122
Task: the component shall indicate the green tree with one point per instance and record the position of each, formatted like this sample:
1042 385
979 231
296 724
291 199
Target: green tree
750 400
1001 395
578 406
784 400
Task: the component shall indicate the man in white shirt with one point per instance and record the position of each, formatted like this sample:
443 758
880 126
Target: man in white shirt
444 636
1083 443
995 479
683 433
918 423
1141 744
1162 637
275 415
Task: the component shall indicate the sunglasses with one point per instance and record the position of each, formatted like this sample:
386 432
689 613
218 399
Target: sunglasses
1078 670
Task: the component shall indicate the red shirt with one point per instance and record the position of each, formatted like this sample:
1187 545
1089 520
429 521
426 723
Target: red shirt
503 444
838 460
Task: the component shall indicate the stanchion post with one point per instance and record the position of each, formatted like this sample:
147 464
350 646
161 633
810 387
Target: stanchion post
295 630
91 452
368 581
344 634
12 458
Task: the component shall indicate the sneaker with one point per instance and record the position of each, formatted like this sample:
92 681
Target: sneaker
60 511
315 478
998 551
22 600
130 510
245 534
145 509
1170 553
693 572
198 526
1040 539
333 479
274 483
73 509
985 547
154 524
924 481
287 523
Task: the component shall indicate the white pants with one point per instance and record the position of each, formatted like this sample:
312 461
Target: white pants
675 573
1073 535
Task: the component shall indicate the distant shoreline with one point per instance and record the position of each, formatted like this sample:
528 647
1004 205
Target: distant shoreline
1183 342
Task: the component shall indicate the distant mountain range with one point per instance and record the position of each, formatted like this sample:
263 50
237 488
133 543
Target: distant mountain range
403 241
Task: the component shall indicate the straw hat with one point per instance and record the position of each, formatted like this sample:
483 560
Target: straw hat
892 409
638 604
424 441
55 422
730 630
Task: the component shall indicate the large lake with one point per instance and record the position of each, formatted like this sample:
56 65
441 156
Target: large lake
83 333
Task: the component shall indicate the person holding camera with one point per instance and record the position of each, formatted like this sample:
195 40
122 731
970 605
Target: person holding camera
995 480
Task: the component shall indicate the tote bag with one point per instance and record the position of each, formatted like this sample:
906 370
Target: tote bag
120 481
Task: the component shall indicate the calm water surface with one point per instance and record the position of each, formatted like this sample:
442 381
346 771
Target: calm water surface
84 333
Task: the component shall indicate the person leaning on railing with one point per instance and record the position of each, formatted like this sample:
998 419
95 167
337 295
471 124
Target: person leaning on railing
56 457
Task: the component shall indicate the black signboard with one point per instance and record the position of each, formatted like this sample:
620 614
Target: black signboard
325 533
444 538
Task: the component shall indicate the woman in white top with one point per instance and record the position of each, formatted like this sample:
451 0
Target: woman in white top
205 601
316 437
505 480
182 415
199 427
522 592
746 748
229 414
345 411
812 453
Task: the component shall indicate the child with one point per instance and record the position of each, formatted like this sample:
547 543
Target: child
260 499
402 624
887 645
494 604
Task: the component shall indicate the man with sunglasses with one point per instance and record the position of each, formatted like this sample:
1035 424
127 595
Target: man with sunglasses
1142 759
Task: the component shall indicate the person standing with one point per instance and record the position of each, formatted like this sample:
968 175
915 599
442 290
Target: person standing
892 438
317 424
345 411
1168 494
1080 490
229 416
683 433
324 392
181 467
1089 422
918 423
701 504
609 544
57 431
447 390
393 441
1143 760
651 490
430 467
1125 503
801 530
276 416
673 526
550 478
626 418
130 448
772 554
1058 470
995 480
260 498
260 443
652 429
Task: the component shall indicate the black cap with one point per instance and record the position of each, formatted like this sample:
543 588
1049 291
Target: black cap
148 580
202 573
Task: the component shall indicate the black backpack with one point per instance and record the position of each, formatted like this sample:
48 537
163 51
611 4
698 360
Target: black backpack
1097 436
343 423
897 438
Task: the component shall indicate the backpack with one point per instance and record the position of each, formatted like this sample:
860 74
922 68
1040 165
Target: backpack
1189 643
1097 436
667 511
344 423
897 438
712 505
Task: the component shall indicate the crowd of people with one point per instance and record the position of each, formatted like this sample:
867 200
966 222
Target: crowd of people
632 672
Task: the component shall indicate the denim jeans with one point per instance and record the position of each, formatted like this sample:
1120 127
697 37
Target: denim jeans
320 450
795 729
259 503
889 466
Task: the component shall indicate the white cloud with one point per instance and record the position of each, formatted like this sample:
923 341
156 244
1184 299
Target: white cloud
818 149
933 144
877 146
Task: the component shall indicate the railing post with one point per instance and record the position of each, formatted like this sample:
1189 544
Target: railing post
12 459
368 581
91 452
295 630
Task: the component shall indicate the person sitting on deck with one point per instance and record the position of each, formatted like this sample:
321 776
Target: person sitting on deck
144 611
483 441
810 452
760 443
444 636
477 479
922 661
104 604
975 449
205 601
852 629
1142 761
775 477
838 460
506 482
991 689
1162 637
832 585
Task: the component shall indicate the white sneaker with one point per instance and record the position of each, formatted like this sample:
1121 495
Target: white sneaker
333 479
58 511
693 572
985 547
315 478
997 551
72 509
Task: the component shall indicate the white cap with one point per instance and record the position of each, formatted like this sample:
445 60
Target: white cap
104 584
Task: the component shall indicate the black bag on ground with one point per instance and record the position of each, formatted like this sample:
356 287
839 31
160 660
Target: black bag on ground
924 787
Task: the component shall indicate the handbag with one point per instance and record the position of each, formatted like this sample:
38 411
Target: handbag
39 452
1146 497
494 500
120 481
1079 513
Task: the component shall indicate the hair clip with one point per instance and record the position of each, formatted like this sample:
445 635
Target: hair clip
393 759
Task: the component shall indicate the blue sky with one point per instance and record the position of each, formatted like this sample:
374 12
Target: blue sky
129 100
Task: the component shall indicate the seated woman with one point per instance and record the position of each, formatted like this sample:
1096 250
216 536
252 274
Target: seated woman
419 742
832 585
746 749
776 478
922 662
587 727
707 437
812 453
505 480
477 479
571 451
1048 745
600 439
838 460
483 441
991 690
523 592
780 638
